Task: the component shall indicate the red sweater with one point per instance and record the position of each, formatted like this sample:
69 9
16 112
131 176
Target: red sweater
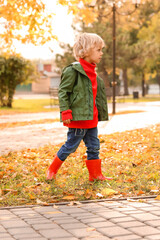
90 71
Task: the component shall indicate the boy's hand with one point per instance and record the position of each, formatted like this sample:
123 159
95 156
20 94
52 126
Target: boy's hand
67 121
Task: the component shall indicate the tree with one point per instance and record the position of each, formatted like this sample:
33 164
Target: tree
102 25
67 57
26 21
148 42
151 34
129 50
13 71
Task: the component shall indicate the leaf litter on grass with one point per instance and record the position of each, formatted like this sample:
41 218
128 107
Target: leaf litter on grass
132 158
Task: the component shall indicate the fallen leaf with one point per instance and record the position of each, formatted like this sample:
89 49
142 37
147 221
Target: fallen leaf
42 203
2 174
108 192
130 180
55 206
74 203
31 196
88 193
158 197
91 229
70 197
80 192
131 200
140 193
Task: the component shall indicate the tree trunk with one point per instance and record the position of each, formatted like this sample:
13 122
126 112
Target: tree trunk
143 85
2 94
125 82
11 90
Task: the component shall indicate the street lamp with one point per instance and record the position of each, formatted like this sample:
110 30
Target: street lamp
116 4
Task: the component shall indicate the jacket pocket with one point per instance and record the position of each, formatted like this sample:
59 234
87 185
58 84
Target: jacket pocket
73 98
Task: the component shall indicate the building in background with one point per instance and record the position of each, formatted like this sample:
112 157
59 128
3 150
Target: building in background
48 78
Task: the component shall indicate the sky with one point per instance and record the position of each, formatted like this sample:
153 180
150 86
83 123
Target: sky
62 28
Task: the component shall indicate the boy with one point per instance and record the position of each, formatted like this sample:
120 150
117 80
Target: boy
83 102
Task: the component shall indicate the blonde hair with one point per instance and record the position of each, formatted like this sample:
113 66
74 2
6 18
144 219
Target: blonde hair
84 43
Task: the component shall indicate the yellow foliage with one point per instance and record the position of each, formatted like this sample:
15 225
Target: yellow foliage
25 21
150 75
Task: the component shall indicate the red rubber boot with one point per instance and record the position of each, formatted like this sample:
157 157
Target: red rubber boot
94 169
53 168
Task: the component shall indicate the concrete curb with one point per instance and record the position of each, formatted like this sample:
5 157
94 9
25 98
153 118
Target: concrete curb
82 202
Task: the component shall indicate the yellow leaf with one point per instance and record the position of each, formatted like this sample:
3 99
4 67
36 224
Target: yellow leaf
91 229
70 197
53 212
158 197
31 196
108 192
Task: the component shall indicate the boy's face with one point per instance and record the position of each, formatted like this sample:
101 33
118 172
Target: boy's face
95 55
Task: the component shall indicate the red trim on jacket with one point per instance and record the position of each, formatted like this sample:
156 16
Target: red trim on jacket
91 73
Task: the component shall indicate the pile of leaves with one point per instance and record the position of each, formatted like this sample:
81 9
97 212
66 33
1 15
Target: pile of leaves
132 158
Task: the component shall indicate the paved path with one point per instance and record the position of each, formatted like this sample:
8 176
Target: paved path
118 220
33 136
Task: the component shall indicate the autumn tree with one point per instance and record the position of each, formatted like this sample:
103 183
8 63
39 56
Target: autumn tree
101 23
13 71
146 47
26 21
98 19
149 36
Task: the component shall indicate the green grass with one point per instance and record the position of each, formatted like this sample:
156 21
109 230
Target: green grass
28 106
147 98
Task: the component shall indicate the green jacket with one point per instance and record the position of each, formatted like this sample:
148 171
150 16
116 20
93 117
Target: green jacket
75 93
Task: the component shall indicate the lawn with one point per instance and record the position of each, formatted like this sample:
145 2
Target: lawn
39 105
132 158
147 98
29 106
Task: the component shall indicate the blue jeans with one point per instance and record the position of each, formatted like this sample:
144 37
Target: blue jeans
74 137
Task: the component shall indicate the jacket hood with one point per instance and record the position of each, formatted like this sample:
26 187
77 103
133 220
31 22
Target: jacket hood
77 66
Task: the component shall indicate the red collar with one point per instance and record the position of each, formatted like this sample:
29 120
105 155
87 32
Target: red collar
89 68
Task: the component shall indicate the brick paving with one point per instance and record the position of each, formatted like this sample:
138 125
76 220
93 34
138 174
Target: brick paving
102 220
